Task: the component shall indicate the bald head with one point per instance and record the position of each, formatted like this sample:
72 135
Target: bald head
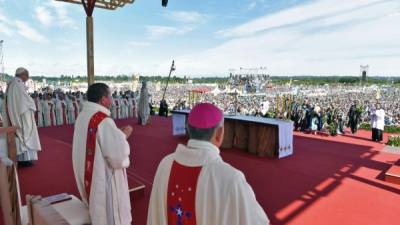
22 73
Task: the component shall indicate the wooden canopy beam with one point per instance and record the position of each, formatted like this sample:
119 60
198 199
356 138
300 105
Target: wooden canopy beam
89 6
105 4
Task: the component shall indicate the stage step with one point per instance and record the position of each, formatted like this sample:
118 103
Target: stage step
393 174
136 188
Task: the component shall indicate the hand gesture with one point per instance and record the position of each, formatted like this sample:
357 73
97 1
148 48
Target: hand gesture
127 131
9 129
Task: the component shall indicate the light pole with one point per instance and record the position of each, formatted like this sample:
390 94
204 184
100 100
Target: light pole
89 6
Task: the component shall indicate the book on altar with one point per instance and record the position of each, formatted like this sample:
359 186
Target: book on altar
58 198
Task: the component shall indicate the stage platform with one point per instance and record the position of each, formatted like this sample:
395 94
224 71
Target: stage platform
330 180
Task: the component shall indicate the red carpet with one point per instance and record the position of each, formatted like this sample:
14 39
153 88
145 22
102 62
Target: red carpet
329 180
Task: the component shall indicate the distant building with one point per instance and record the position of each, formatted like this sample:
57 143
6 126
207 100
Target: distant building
135 82
364 73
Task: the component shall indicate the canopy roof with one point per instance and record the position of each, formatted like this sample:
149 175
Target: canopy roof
105 4
200 90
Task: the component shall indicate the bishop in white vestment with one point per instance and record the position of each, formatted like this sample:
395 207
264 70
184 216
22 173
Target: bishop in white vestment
20 112
194 186
100 156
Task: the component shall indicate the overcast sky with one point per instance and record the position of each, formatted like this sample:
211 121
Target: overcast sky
208 37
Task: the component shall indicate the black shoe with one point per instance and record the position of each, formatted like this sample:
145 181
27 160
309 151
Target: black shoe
25 164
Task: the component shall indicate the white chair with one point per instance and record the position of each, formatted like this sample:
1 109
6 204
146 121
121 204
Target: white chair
70 212
13 212
38 210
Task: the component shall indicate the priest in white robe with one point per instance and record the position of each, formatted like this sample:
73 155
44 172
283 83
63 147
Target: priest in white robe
378 123
126 103
144 108
113 108
194 185
132 106
70 110
39 107
122 107
116 106
100 157
60 110
46 112
49 112
80 101
77 110
20 112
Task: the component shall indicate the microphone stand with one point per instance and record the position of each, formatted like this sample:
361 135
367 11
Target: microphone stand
163 111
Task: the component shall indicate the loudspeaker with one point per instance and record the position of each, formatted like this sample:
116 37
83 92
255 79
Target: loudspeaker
164 3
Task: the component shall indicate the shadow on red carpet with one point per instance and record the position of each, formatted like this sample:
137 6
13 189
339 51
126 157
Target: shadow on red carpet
328 180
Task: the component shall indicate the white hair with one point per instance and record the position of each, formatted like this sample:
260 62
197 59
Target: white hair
20 71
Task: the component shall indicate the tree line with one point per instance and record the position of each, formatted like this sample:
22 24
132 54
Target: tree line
297 80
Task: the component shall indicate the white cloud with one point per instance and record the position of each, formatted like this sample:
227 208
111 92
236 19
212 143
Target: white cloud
160 31
5 25
157 32
139 44
187 22
321 38
191 17
4 19
29 32
252 5
61 12
44 15
53 13
4 29
317 10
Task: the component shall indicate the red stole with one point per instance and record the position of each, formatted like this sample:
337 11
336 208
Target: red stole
52 119
63 113
94 122
182 186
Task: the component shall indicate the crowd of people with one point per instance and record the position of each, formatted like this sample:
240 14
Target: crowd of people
250 83
56 108
326 102
307 106
181 191
178 175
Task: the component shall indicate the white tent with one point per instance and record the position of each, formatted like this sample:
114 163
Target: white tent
216 91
